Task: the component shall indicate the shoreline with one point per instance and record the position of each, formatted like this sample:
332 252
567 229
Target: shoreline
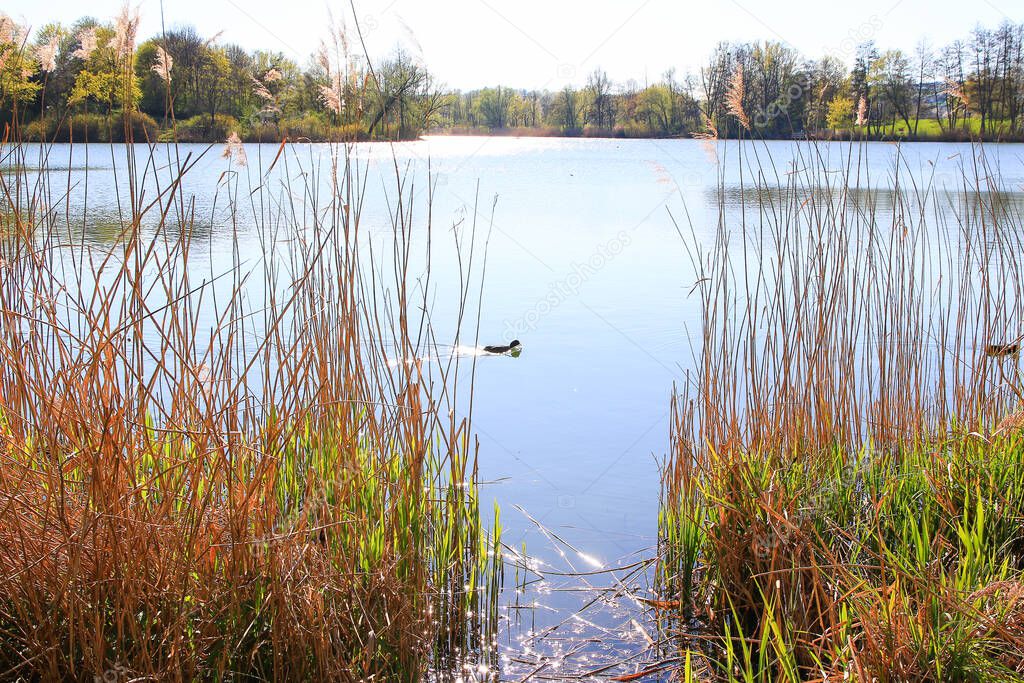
833 136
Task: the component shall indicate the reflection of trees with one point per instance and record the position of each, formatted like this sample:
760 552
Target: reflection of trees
869 200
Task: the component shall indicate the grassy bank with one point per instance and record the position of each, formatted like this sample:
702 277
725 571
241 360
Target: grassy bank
210 475
845 497
930 130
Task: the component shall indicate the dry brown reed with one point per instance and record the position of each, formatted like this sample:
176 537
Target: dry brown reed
837 504
228 475
837 313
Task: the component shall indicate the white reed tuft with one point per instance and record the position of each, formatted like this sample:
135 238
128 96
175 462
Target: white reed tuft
331 98
233 150
47 53
261 91
9 30
862 111
125 28
734 98
163 64
86 43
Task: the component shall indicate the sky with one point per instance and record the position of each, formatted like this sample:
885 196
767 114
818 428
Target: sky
552 43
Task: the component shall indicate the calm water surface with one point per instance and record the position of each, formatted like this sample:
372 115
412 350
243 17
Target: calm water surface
587 268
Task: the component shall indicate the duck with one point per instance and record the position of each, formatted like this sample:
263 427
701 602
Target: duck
513 345
1002 350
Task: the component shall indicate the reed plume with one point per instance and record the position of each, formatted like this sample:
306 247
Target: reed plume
9 30
322 58
734 98
86 43
163 64
213 39
125 27
261 91
331 98
47 53
234 150
862 111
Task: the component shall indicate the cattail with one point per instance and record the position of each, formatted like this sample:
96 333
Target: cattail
163 64
125 28
734 98
862 111
47 53
331 98
86 43
233 150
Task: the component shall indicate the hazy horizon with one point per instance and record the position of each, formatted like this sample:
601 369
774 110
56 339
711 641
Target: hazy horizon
533 45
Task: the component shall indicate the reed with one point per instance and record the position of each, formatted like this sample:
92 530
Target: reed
251 472
838 504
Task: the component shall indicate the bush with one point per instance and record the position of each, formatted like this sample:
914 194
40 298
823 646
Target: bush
308 127
203 128
262 132
87 127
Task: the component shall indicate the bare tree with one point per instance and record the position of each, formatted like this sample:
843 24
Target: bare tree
600 111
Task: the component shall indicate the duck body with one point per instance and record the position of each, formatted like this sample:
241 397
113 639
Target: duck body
514 344
1002 350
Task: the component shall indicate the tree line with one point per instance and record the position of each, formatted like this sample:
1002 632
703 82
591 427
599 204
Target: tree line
91 80
971 88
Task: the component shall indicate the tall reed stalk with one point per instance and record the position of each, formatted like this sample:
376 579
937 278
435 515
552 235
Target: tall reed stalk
254 471
846 489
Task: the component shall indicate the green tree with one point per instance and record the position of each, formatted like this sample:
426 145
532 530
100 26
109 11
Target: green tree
495 106
565 113
840 112
17 68
106 79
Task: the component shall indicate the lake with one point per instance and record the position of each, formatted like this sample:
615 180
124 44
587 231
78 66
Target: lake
587 268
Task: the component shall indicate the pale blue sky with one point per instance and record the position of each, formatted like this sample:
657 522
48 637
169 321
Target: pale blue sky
530 43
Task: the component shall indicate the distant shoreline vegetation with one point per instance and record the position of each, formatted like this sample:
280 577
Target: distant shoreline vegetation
888 134
90 81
